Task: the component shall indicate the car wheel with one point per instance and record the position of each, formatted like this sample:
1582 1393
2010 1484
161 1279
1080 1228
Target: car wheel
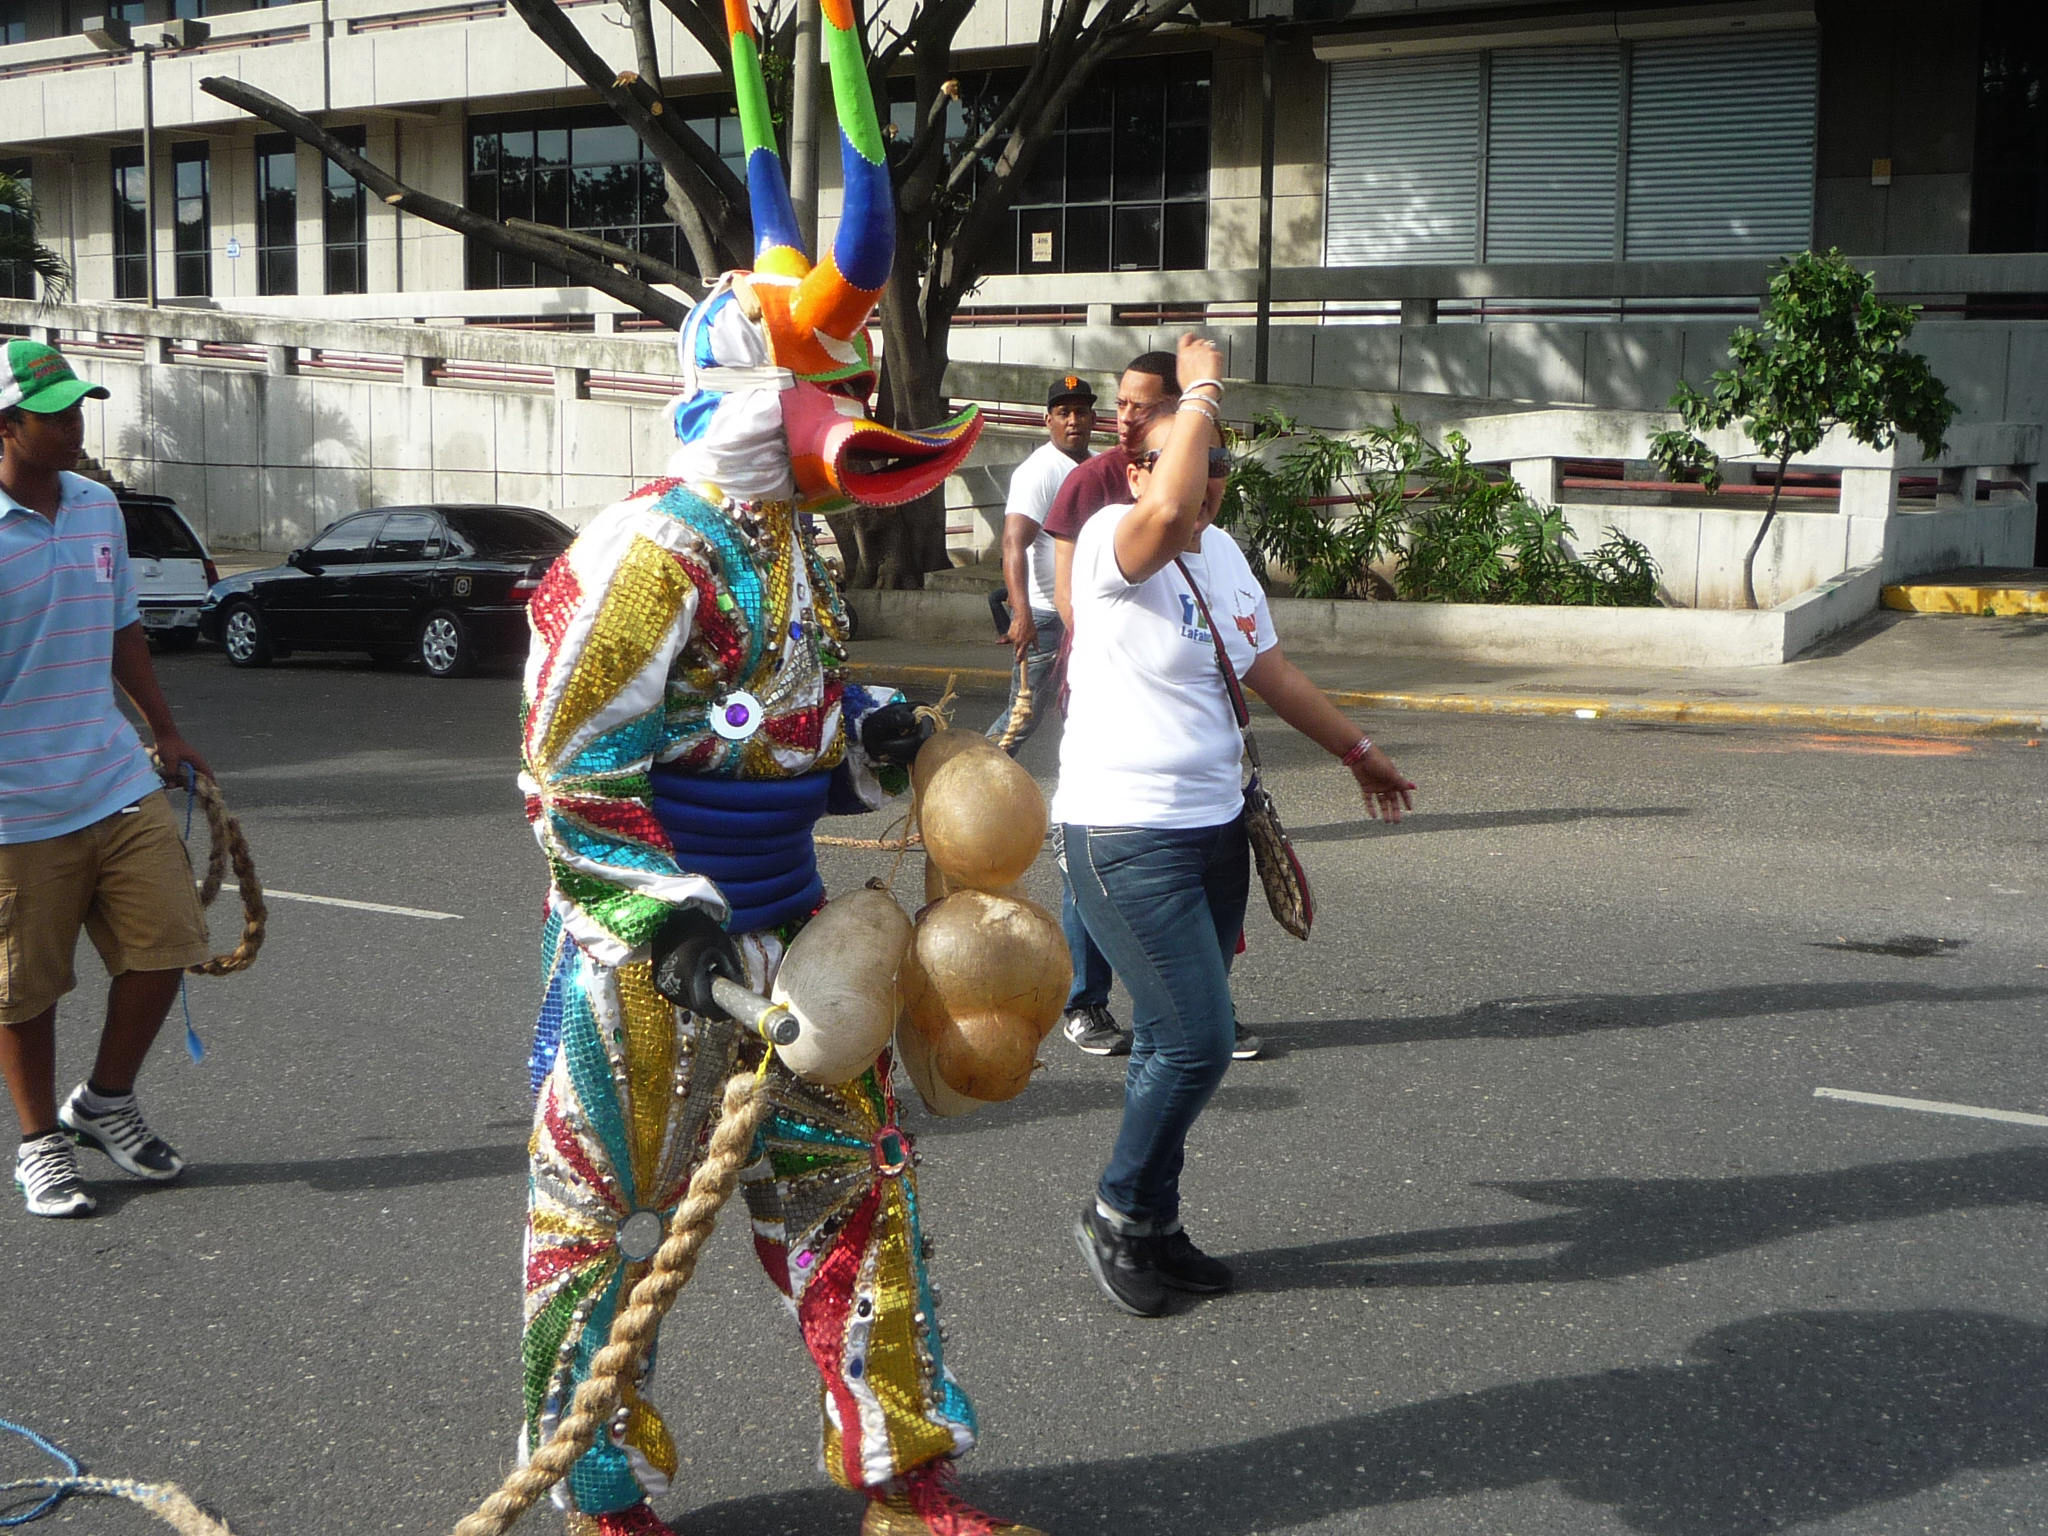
245 637
444 645
178 639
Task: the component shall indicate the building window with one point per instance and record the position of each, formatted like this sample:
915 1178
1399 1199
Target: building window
345 226
582 170
17 278
277 213
131 225
13 29
192 235
2009 183
189 8
1122 185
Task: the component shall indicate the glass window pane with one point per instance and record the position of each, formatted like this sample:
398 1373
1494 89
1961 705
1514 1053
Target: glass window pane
1087 239
603 145
1088 167
1186 237
1187 92
551 146
348 540
1092 104
551 196
1140 129
1046 181
1187 161
1135 241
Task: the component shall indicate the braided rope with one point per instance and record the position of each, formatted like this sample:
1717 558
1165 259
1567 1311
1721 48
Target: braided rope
167 1501
1020 712
740 1117
225 845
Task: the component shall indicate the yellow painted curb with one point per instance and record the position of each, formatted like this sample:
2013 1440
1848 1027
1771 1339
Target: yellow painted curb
1841 717
1996 602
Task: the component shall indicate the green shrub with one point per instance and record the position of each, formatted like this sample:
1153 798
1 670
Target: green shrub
1455 533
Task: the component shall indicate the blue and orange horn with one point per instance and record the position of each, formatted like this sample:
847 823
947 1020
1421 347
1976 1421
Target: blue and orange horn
815 314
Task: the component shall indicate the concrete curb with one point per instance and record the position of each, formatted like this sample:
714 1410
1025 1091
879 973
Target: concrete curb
1842 717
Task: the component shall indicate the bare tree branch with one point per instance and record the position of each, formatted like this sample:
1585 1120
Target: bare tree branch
654 267
576 266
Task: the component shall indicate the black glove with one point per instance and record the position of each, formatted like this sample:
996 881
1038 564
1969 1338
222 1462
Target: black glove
893 733
690 949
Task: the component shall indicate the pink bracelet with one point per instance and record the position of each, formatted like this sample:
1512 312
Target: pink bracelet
1357 753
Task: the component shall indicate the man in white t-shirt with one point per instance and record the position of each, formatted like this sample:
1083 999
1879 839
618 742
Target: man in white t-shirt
1035 628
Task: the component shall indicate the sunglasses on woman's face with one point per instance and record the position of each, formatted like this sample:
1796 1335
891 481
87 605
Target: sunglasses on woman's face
1219 461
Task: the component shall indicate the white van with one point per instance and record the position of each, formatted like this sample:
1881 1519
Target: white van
173 571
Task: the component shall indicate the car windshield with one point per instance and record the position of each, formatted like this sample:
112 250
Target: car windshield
507 531
156 532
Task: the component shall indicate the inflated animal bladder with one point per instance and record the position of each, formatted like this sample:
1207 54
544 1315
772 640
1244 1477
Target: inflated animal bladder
937 886
981 985
839 979
983 817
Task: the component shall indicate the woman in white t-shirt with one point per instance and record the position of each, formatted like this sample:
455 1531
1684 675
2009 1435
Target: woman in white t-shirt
1151 807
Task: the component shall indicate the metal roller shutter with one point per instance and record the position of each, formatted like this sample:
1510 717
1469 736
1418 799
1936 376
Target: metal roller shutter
1553 158
1721 142
1404 161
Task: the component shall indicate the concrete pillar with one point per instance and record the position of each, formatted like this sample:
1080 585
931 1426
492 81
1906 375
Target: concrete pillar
1959 481
605 323
572 383
156 350
282 361
1101 314
1870 498
418 372
1540 479
1418 311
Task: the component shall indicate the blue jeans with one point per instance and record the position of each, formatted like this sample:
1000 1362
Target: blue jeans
1092 974
1037 665
1166 904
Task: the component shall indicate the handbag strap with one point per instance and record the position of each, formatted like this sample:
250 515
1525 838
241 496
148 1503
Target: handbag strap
1230 682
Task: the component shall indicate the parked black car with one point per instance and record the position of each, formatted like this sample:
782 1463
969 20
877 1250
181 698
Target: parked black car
448 584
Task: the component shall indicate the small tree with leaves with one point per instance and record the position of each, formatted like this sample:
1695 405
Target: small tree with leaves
1825 353
19 246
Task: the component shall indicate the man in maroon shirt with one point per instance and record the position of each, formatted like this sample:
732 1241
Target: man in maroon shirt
1148 387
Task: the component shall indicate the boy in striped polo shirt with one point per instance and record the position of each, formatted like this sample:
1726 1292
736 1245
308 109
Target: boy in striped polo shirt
87 838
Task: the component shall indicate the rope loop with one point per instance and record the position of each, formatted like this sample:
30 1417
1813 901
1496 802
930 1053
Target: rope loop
226 847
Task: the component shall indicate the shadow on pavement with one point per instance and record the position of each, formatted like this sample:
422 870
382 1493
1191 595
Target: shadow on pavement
1475 821
1608 1228
387 1170
1778 1420
1539 1018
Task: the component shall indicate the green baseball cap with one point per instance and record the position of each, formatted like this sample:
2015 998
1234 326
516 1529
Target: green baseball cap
38 379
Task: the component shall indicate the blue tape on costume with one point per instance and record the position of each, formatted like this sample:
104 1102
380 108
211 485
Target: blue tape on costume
749 837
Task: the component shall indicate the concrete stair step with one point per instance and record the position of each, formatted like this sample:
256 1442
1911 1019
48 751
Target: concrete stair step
1990 591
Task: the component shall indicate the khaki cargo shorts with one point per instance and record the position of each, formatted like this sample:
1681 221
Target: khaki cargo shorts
125 880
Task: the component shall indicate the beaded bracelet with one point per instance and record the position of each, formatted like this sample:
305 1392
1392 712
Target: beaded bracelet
1357 753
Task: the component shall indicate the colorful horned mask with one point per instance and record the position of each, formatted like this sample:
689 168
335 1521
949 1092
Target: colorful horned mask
776 363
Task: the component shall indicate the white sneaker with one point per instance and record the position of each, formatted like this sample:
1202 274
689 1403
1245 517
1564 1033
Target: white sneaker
123 1135
46 1173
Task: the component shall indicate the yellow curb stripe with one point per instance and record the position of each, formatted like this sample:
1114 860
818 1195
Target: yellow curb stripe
1848 717
1993 602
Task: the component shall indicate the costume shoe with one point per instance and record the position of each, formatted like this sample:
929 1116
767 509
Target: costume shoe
635 1520
922 1503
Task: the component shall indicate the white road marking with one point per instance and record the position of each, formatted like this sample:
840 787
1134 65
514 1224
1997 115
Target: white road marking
356 906
1931 1106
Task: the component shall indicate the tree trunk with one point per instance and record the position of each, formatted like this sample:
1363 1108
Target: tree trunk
1757 543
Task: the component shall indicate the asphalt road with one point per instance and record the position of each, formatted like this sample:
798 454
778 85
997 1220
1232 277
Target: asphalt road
1539 1225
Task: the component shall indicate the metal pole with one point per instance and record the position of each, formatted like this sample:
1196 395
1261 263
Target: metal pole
148 52
1262 352
803 124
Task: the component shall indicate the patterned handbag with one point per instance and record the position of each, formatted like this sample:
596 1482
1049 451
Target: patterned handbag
1280 871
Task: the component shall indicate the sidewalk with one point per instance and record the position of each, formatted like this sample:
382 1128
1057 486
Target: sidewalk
1909 672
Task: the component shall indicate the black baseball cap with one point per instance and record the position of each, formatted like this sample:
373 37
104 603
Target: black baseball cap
1069 386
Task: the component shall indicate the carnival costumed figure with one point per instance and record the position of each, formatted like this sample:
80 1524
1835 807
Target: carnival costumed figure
687 720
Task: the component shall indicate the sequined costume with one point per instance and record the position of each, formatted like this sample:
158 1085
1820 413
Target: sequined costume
687 718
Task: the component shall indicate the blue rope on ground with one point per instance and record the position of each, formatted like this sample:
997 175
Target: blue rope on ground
59 1486
164 1500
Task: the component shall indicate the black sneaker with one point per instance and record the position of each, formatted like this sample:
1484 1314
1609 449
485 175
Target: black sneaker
46 1173
1095 1030
1248 1046
123 1135
1186 1268
1122 1265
